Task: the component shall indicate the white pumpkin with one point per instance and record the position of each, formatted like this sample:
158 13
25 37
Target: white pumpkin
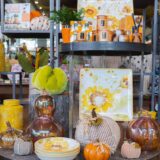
40 23
107 132
22 147
130 150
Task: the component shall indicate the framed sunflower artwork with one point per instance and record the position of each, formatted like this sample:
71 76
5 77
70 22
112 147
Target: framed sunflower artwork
109 91
115 10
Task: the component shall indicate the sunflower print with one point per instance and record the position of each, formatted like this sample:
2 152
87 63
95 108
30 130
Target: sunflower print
127 9
91 12
124 82
97 97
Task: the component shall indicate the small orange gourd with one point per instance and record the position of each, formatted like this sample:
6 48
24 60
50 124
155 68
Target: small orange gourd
96 151
34 14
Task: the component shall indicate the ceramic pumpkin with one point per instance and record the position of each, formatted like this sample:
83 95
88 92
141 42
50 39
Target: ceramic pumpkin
34 14
96 151
145 131
22 147
105 129
8 138
130 150
40 23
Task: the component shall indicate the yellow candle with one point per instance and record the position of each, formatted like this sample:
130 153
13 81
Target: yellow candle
11 111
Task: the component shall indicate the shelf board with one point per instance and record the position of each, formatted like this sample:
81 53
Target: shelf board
26 34
138 4
105 48
141 4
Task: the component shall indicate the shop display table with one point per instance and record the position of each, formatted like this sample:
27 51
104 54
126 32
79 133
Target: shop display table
9 155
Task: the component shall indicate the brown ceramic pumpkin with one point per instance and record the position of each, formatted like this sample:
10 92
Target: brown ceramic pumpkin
145 131
96 151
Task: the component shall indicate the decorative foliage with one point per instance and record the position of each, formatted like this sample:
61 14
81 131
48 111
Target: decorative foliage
53 81
65 15
30 63
25 63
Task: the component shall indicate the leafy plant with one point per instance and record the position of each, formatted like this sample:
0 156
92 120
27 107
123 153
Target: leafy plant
25 63
30 65
65 15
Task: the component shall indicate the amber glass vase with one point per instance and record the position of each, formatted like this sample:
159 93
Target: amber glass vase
44 124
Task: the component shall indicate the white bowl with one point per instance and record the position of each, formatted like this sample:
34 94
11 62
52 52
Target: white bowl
71 145
54 152
41 157
57 154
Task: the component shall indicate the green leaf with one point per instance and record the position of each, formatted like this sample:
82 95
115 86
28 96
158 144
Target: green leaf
25 64
44 57
65 15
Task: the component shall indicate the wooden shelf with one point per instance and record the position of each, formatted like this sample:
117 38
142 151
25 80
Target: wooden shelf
105 48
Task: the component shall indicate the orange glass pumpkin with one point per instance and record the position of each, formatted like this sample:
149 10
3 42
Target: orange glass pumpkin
96 151
34 14
145 131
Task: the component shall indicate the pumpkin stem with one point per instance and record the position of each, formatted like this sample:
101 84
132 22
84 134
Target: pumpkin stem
26 137
94 114
97 140
9 127
96 121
